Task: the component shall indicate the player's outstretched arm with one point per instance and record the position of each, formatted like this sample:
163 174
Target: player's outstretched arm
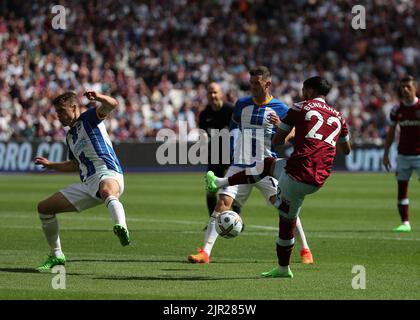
345 147
281 137
108 104
390 136
290 136
65 166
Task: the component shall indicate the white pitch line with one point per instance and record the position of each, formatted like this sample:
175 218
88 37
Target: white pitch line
265 234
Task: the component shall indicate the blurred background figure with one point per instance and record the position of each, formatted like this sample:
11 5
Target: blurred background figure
217 115
406 116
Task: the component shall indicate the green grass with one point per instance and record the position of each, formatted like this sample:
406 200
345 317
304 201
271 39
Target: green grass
347 223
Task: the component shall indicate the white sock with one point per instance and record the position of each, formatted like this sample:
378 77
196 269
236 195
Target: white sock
211 234
50 227
304 244
407 223
222 182
116 210
284 269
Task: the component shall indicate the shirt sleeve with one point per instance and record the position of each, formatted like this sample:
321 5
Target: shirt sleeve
236 117
91 116
289 121
344 134
281 110
393 116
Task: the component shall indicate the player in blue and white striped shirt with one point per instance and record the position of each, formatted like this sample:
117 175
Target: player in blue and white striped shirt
90 153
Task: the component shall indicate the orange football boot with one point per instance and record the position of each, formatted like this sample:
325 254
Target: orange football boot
306 256
200 257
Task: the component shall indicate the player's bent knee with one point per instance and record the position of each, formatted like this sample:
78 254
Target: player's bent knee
44 207
106 195
108 189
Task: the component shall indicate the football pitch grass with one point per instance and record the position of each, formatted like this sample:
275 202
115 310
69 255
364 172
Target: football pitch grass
347 223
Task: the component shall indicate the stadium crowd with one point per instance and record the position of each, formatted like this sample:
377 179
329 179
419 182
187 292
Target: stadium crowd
157 56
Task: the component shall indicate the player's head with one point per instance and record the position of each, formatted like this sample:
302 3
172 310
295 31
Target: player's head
408 88
260 81
215 95
315 87
67 107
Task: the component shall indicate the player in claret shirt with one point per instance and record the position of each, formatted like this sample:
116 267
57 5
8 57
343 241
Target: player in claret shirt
90 153
319 128
407 116
256 118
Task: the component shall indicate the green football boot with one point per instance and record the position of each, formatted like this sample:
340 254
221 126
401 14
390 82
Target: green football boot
275 273
51 262
211 182
402 228
122 233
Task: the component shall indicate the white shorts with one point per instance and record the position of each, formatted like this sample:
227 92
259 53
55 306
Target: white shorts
240 193
84 195
406 165
291 193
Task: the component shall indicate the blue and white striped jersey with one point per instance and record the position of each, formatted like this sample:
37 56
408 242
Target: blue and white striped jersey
254 143
90 145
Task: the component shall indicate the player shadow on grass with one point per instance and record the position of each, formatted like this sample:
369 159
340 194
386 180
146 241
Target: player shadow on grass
175 278
121 260
159 261
32 270
19 270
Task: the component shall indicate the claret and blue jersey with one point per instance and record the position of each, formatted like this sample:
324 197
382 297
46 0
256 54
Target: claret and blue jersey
89 144
253 119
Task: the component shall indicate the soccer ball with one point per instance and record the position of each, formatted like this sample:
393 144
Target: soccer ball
229 224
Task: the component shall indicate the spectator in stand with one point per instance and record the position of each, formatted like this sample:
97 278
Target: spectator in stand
156 56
